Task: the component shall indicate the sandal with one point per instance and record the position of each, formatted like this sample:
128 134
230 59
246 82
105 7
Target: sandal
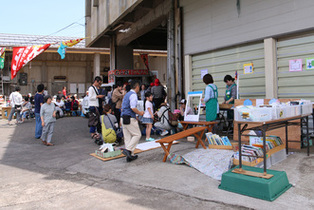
49 144
44 142
94 135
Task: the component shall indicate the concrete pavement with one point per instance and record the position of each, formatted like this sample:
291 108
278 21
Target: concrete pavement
65 176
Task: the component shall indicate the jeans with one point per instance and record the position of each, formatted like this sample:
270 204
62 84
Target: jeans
92 109
38 128
24 114
12 113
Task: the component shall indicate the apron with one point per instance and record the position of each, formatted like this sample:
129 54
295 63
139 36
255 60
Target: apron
228 94
211 106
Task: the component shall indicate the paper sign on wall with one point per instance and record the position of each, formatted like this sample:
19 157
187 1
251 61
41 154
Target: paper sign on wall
204 72
295 65
248 68
73 88
309 63
81 88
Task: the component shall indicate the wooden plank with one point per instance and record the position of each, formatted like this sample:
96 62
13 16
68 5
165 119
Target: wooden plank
247 163
225 106
220 147
252 173
181 134
199 122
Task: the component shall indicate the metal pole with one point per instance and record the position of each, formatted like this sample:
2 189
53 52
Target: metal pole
264 149
171 59
286 130
2 82
307 135
240 149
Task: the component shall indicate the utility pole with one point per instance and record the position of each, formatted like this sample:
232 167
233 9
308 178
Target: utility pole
171 80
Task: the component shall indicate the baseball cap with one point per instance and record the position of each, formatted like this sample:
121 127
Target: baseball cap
183 101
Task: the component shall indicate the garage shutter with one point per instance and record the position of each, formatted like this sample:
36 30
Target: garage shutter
295 84
226 61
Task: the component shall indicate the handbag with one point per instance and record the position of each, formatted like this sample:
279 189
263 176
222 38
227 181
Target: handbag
118 131
108 134
126 119
93 119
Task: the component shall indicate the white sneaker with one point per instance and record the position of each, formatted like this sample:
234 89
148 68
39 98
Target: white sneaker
165 132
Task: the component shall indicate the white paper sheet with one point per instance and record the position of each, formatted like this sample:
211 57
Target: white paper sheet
204 72
259 102
149 145
81 88
72 87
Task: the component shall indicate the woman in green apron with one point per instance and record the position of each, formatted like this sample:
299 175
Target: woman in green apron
231 91
231 94
210 98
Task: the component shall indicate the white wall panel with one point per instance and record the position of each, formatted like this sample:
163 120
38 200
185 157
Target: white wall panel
295 84
213 24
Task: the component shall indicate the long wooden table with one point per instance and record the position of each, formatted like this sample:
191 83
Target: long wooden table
209 125
170 139
267 126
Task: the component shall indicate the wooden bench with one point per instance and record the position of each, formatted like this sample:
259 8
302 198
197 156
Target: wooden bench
192 131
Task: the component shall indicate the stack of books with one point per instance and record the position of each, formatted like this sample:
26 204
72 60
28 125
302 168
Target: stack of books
214 139
271 142
251 153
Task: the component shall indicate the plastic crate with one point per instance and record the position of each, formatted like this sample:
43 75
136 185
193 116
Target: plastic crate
278 157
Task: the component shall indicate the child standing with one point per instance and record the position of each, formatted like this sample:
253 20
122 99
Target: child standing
48 119
148 117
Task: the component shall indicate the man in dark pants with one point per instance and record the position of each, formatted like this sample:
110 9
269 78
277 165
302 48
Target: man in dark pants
116 98
93 102
39 100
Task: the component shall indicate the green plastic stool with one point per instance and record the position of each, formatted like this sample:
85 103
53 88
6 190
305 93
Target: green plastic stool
266 189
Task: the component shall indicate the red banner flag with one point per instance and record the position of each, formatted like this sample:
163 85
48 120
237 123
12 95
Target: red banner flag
145 60
23 55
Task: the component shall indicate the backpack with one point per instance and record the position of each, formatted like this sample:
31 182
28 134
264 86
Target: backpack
108 134
172 118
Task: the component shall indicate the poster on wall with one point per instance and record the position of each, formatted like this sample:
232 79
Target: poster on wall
204 72
248 68
81 88
72 87
295 65
309 63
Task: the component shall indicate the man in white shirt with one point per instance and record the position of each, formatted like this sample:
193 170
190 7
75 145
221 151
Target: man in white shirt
16 101
59 106
85 104
93 102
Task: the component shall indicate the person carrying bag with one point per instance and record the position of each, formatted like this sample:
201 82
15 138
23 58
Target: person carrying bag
118 131
108 134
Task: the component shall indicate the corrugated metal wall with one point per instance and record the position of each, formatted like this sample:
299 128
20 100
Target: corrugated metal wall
295 84
226 61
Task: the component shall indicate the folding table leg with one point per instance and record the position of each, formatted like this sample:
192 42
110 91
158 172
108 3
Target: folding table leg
199 139
167 150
